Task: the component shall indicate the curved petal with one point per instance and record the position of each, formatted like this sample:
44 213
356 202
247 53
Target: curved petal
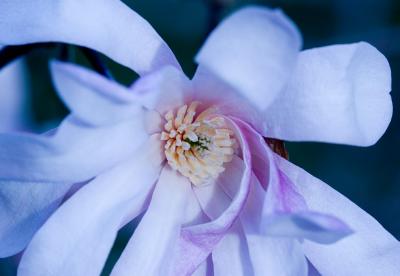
337 94
254 50
111 28
371 250
199 240
230 256
77 238
269 255
53 157
284 210
151 249
92 98
24 207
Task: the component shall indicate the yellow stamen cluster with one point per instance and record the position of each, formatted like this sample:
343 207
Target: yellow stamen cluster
197 146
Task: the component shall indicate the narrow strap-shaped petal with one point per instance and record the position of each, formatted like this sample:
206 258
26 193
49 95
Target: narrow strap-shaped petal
37 171
92 98
199 240
54 157
371 250
110 27
76 240
337 94
150 250
254 50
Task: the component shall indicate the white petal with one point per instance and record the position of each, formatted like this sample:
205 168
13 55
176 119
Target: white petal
254 50
337 94
163 90
371 250
93 98
76 240
110 27
54 157
268 255
151 249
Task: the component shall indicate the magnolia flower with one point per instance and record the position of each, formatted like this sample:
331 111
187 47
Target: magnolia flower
190 154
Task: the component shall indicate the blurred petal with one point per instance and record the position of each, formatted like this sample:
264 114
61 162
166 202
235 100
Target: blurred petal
199 240
13 95
338 94
81 233
91 97
151 249
54 157
110 27
254 50
371 250
24 207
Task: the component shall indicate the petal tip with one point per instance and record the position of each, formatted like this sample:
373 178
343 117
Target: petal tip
372 84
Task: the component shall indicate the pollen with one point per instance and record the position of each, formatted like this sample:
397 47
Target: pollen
197 146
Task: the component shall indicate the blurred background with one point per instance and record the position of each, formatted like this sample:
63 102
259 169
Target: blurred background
370 177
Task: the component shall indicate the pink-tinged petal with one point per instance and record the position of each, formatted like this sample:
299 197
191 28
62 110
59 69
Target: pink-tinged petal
317 227
371 250
53 157
285 212
254 50
268 255
13 95
230 256
163 90
24 207
111 28
151 249
92 98
337 94
76 240
199 240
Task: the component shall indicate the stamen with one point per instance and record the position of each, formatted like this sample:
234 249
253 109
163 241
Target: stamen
197 146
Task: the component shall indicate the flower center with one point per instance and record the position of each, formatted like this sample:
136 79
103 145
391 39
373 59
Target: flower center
197 146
